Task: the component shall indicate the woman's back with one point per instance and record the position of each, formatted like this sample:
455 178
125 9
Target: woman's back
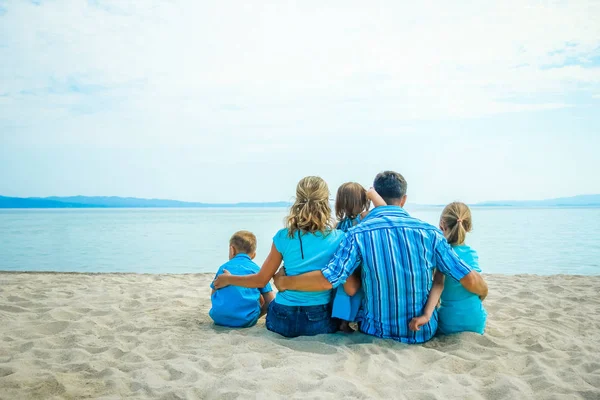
305 252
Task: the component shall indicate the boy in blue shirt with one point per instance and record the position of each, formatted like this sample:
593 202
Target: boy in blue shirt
235 306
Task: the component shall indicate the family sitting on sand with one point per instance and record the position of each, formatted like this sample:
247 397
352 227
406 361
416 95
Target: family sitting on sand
387 268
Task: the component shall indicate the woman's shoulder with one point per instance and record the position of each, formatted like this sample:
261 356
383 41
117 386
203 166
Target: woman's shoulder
282 234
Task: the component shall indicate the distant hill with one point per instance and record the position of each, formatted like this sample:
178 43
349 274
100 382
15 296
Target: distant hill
118 202
590 200
132 202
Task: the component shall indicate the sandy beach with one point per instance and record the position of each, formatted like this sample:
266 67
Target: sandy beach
149 336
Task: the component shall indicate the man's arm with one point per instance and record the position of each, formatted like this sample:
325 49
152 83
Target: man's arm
475 283
344 262
313 281
448 262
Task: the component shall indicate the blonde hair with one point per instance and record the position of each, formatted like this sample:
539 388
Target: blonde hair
243 242
311 211
351 200
456 222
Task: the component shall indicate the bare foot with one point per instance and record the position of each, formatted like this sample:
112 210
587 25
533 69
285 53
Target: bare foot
345 327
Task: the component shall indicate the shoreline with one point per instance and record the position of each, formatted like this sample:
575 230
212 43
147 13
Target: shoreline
128 335
524 275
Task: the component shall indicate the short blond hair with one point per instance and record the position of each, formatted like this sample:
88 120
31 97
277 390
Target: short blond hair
243 242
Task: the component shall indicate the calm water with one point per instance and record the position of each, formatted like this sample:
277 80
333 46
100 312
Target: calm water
511 241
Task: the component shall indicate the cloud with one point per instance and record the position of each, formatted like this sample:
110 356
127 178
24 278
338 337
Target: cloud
282 52
216 77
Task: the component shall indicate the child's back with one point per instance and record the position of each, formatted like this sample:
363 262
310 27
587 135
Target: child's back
460 309
351 206
236 306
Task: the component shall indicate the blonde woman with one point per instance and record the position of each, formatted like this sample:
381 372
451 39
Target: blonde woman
306 244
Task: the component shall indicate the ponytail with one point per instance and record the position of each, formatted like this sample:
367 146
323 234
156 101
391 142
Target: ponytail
456 220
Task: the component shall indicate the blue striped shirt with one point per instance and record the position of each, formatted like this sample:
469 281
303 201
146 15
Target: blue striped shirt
398 255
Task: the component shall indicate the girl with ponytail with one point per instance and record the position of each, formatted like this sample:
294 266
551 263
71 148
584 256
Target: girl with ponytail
460 310
306 244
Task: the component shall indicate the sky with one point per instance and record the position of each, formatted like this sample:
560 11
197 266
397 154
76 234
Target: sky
219 101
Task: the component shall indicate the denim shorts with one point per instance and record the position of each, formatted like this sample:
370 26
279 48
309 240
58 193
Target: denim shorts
292 321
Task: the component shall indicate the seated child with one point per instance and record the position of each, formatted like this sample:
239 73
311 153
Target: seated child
235 306
460 310
351 206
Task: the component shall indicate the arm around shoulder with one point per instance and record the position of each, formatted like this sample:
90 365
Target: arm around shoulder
475 283
313 281
258 280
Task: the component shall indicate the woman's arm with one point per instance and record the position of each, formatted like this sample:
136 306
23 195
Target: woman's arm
375 198
258 280
432 301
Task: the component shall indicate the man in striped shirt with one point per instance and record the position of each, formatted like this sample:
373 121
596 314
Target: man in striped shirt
397 254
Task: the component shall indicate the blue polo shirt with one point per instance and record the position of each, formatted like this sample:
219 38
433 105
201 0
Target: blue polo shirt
398 255
302 253
235 306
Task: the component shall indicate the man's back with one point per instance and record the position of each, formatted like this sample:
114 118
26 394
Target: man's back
398 254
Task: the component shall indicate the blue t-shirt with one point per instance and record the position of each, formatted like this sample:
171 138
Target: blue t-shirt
237 306
453 290
461 310
312 253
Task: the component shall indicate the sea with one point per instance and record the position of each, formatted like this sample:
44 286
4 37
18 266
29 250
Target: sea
542 241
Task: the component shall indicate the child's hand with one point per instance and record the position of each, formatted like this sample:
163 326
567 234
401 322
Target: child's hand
415 324
222 280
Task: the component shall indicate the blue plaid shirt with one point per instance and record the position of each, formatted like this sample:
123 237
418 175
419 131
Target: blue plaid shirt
398 255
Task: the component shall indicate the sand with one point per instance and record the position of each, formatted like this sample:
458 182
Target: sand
149 336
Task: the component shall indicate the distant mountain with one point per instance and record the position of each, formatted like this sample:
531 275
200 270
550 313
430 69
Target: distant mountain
590 200
132 202
118 202
17 202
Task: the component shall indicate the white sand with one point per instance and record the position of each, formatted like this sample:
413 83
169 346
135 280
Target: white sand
149 336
